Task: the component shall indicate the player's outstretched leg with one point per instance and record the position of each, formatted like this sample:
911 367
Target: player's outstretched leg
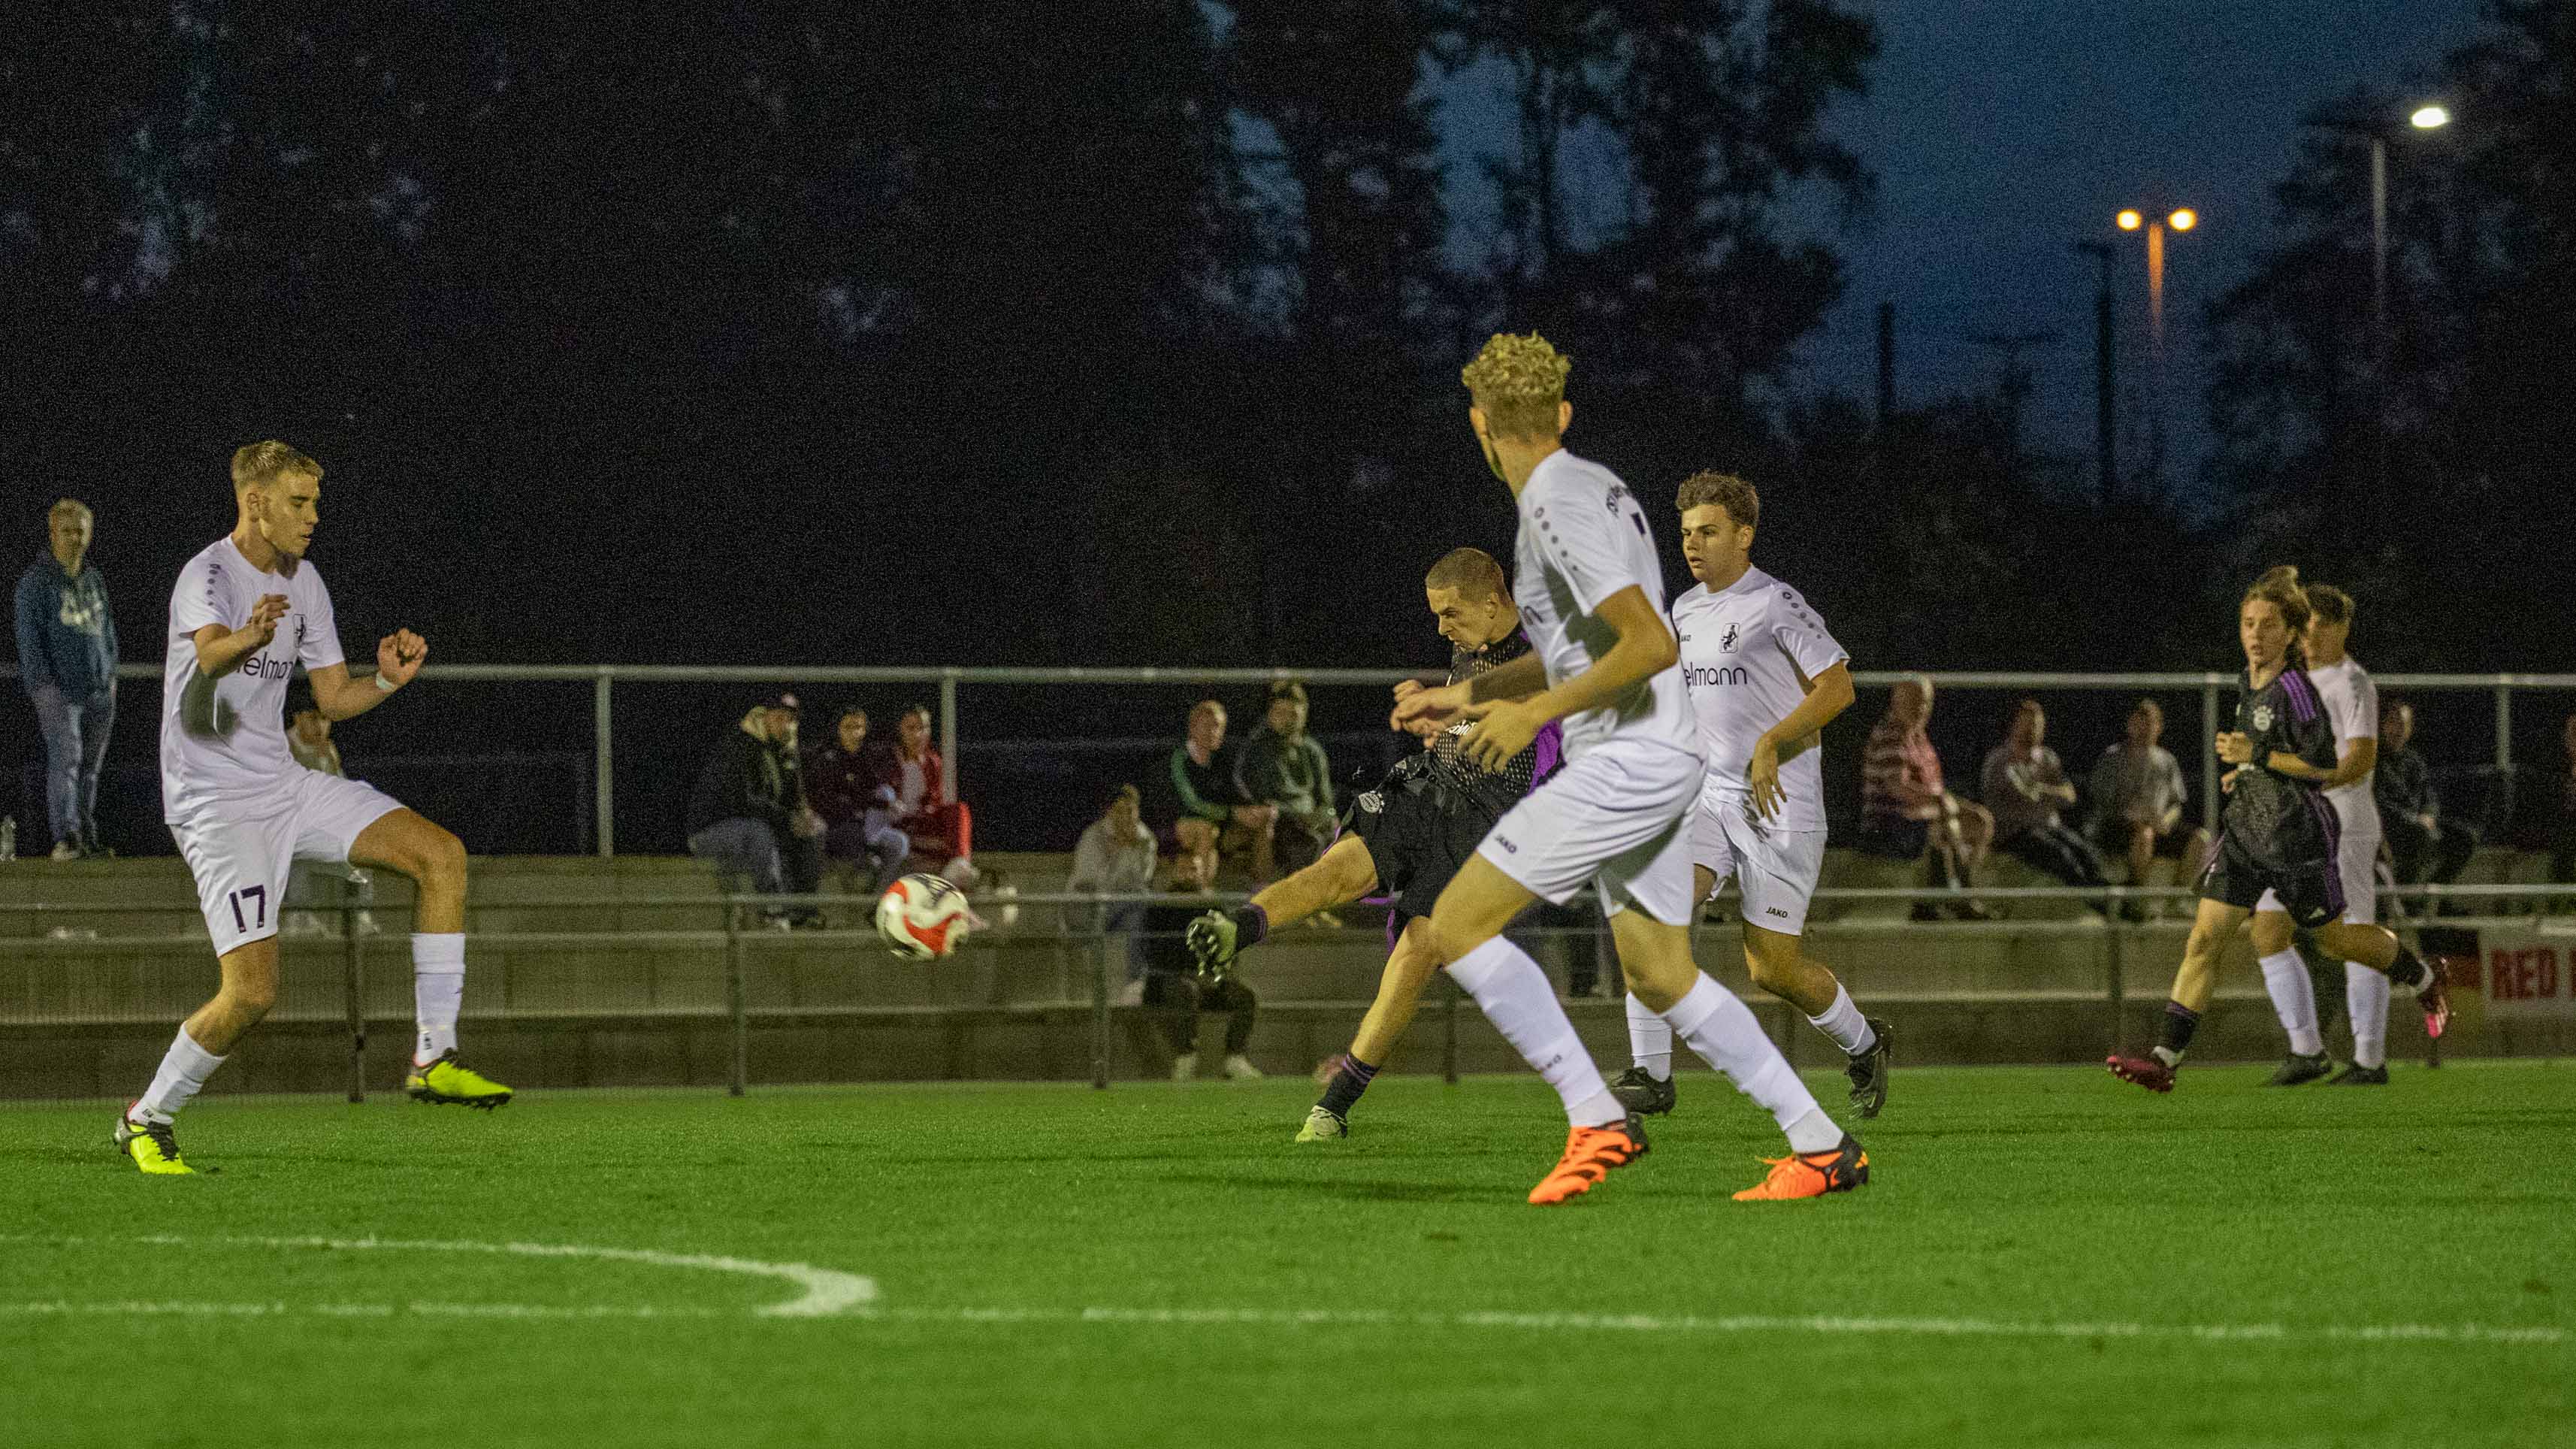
2377 948
406 841
1339 876
1723 1032
144 1131
1409 968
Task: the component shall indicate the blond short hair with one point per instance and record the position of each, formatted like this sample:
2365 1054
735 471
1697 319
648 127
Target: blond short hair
1518 383
69 505
268 461
1469 572
1737 497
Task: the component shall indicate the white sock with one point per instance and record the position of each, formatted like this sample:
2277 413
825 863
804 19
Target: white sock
1516 997
184 1069
1843 1022
2294 998
1722 1030
2365 995
437 991
1650 1039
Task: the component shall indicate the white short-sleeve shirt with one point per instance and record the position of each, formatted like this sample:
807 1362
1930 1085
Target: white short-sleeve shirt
1743 650
225 739
2352 705
1583 539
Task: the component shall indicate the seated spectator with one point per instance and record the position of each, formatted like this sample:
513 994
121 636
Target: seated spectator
316 891
1197 796
741 813
2138 796
942 831
857 811
2024 785
1174 984
2423 848
1115 857
1284 767
1906 814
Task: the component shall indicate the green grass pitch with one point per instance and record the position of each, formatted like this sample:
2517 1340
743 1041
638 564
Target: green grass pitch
2045 1256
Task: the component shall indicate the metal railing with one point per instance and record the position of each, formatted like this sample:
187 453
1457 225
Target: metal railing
739 938
604 678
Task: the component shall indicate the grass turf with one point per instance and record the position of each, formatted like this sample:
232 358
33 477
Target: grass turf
2006 1196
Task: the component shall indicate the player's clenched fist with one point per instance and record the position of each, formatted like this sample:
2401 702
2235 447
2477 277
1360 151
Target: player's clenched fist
399 655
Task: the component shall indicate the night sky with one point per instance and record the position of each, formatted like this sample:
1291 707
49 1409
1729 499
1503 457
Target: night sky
1999 131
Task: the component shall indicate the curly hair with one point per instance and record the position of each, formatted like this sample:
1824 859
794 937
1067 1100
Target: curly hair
1737 497
1518 383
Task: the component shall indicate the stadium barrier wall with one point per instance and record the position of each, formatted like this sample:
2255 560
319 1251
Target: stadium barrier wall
648 986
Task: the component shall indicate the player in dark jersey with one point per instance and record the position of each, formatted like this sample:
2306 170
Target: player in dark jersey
2279 834
1406 837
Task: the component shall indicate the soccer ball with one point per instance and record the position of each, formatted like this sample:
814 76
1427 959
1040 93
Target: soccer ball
921 917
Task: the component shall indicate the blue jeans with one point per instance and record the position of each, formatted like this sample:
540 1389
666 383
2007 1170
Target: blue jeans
873 839
741 847
75 730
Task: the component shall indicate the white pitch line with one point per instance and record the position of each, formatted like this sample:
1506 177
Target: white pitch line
828 1291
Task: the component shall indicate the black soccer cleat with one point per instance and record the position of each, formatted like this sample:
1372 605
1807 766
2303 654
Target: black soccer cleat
2358 1075
2297 1071
1868 1071
1639 1092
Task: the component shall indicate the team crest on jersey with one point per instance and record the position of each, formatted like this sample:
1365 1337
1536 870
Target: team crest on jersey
1617 495
1726 641
2262 716
1372 802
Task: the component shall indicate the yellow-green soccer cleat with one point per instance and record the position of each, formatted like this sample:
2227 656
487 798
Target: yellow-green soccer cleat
1323 1124
152 1145
449 1080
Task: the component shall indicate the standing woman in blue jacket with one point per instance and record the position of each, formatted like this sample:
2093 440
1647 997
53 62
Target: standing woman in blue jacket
67 659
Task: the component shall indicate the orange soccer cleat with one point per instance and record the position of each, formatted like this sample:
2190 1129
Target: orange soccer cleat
1811 1174
1590 1153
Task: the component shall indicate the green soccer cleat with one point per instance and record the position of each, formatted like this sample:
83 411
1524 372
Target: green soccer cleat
1211 939
1323 1124
449 1080
153 1146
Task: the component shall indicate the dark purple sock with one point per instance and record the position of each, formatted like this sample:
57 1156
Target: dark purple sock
1350 1078
2180 1022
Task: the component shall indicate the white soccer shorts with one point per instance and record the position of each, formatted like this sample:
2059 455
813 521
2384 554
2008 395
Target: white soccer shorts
1617 816
2356 862
242 849
1777 869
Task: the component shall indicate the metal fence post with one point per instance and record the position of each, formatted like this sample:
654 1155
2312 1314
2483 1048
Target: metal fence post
604 786
948 736
1100 1011
2504 723
734 1005
2115 989
354 986
2209 755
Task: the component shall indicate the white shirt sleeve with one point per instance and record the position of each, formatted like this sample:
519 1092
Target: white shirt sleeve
1802 634
197 600
2356 716
1580 537
320 647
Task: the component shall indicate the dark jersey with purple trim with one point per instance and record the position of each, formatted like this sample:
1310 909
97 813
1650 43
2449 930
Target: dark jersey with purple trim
1493 791
2277 820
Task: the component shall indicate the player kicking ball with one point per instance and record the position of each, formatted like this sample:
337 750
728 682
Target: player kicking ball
1616 816
245 612
1408 836
2280 835
1763 676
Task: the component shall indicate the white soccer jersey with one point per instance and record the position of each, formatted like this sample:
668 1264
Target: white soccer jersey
2352 704
1583 539
1742 653
225 739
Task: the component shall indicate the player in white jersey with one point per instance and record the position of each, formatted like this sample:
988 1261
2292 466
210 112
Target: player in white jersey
1616 816
1764 675
2351 701
246 611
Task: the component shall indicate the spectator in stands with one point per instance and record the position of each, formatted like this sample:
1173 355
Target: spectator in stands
315 887
741 810
1115 857
1284 767
67 662
1906 814
2422 846
800 850
1174 985
857 811
2025 784
942 831
1206 814
2138 797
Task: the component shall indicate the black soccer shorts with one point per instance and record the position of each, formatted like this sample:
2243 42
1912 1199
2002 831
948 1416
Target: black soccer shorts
2311 892
1419 834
